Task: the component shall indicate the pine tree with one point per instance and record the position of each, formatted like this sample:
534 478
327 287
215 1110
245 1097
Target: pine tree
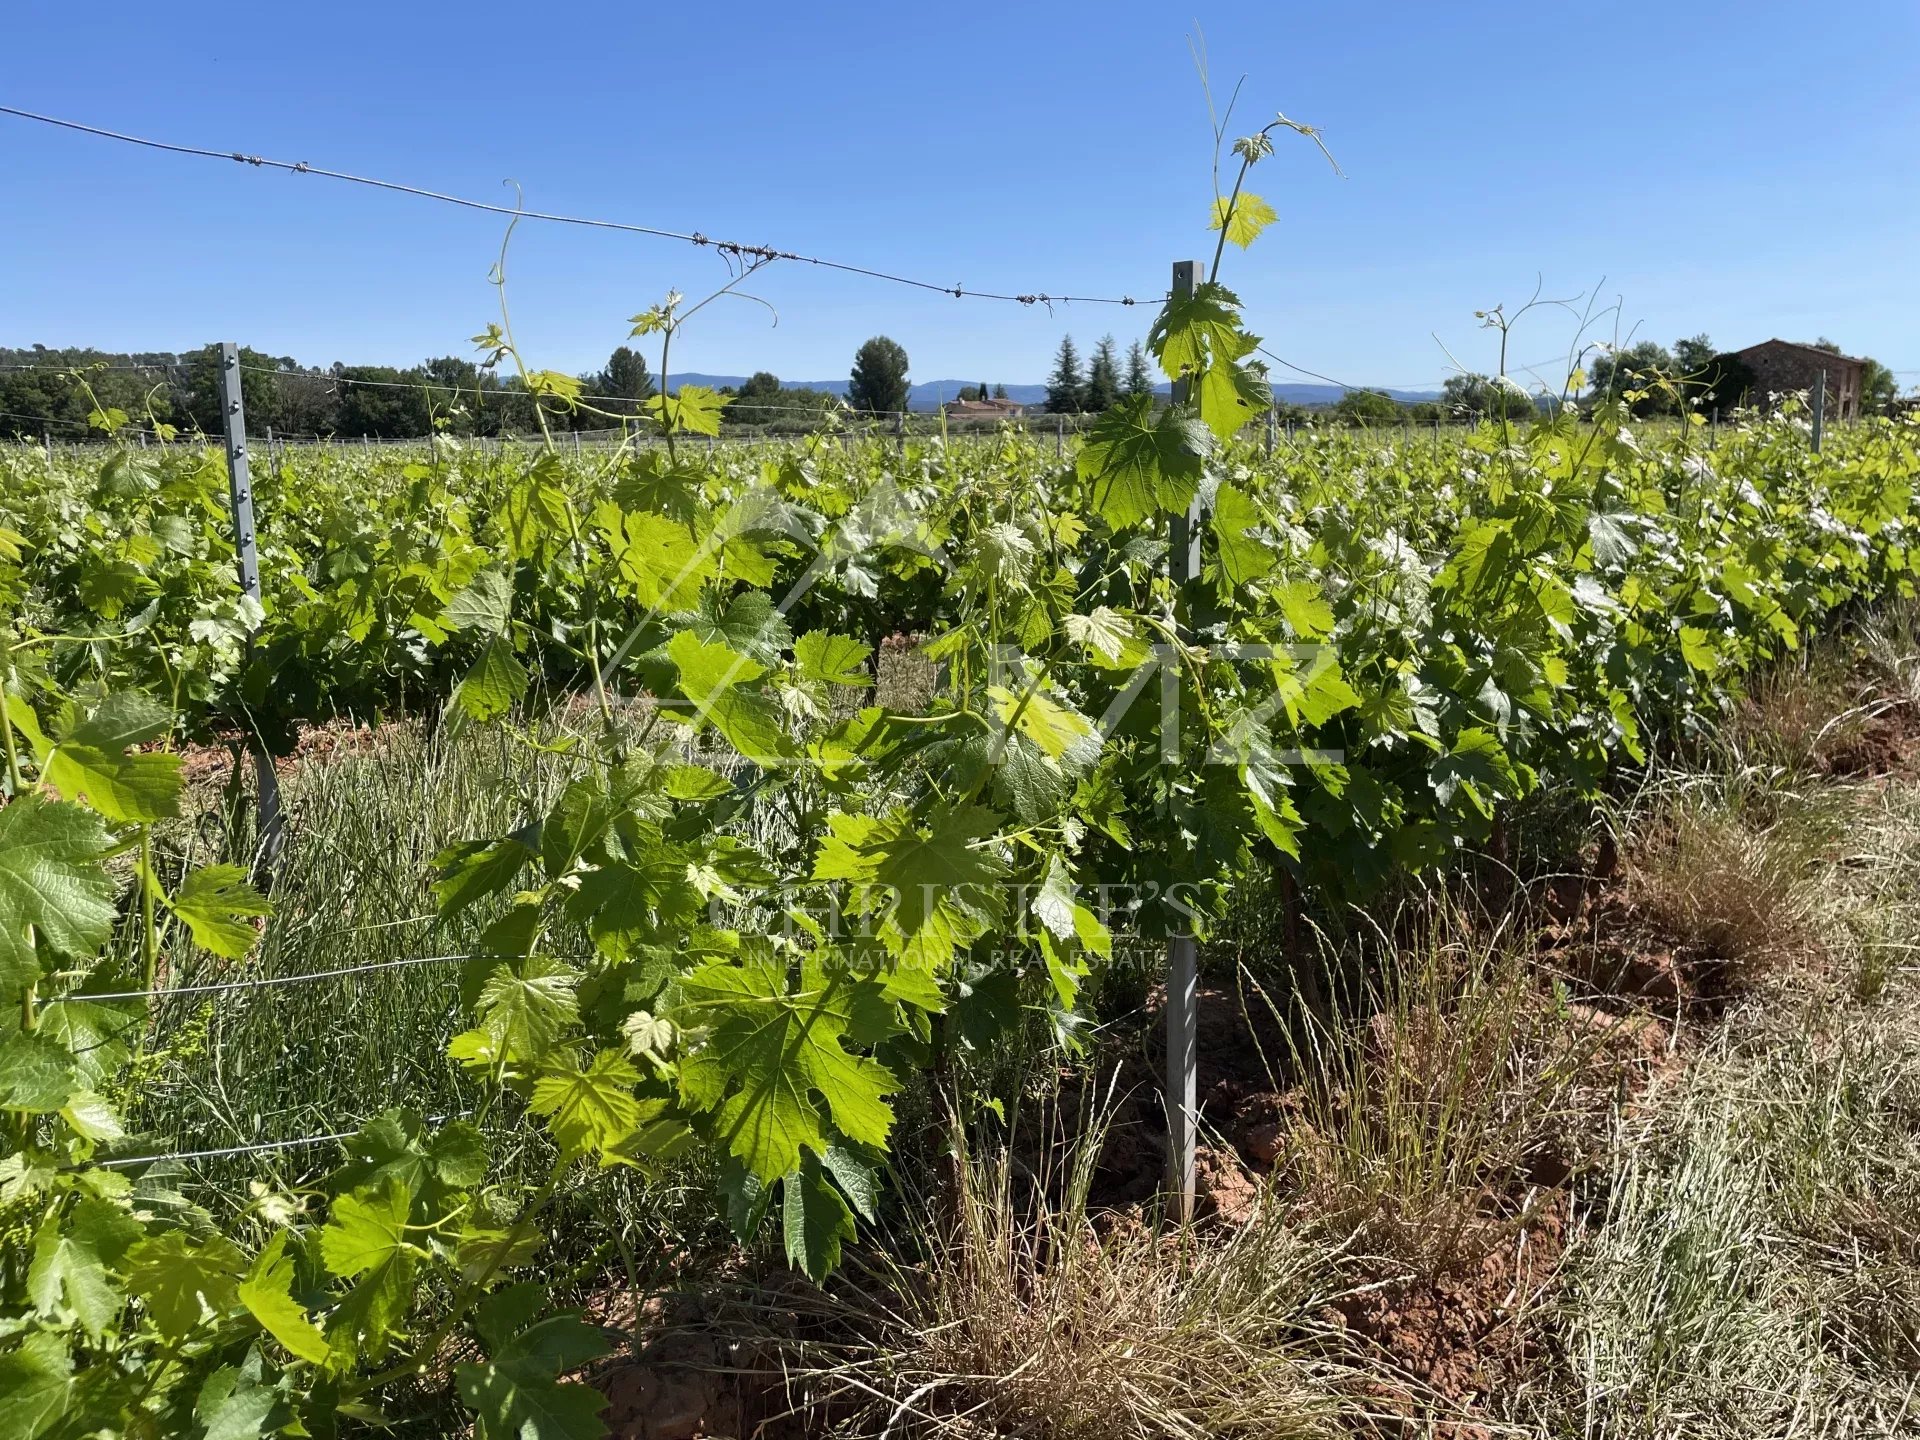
1103 378
879 379
624 381
999 392
1066 391
1139 379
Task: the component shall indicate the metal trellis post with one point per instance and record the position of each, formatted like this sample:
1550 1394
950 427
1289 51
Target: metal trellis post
1273 426
1183 951
900 432
1819 409
247 561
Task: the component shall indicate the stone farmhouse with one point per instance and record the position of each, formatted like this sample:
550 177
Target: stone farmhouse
1780 366
984 409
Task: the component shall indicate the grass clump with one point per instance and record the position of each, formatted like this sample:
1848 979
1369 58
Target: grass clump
1025 1317
1729 881
1427 1108
1757 1272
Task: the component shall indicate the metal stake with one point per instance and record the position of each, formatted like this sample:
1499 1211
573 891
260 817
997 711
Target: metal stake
1183 951
1819 409
247 561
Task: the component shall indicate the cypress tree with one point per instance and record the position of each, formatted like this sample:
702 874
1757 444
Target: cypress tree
1103 378
1139 379
1066 391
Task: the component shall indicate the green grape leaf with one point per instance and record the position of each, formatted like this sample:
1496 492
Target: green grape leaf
485 604
1477 767
1139 463
1244 557
91 1116
1305 609
94 760
267 1294
1191 329
54 890
1611 538
1482 560
216 901
1243 217
23 718
514 1394
432 1165
774 1042
365 1239
99 1034
484 1250
367 1229
72 1262
858 1181
934 887
1696 648
38 1075
832 659
523 1005
556 384
696 782
588 1107
692 409
1230 394
475 869
815 1219
1053 903
658 557
234 1405
36 1386
182 1281
654 483
577 820
495 684
1108 637
626 902
749 624
711 678
1060 732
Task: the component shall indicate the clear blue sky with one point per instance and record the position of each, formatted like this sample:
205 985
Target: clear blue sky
1745 169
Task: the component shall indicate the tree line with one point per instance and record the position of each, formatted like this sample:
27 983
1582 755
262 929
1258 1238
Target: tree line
59 390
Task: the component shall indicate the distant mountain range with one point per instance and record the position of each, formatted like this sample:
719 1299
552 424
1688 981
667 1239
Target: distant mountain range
930 394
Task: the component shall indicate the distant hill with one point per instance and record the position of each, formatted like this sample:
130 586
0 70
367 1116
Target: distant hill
929 394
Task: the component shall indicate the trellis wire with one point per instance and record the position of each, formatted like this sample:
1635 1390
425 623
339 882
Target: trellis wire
733 249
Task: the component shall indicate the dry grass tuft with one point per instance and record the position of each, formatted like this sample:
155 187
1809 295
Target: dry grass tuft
1027 1319
1433 1115
1732 899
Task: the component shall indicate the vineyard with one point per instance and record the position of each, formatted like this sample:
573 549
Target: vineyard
692 854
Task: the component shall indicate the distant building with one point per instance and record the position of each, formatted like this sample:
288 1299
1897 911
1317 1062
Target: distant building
1780 366
984 409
